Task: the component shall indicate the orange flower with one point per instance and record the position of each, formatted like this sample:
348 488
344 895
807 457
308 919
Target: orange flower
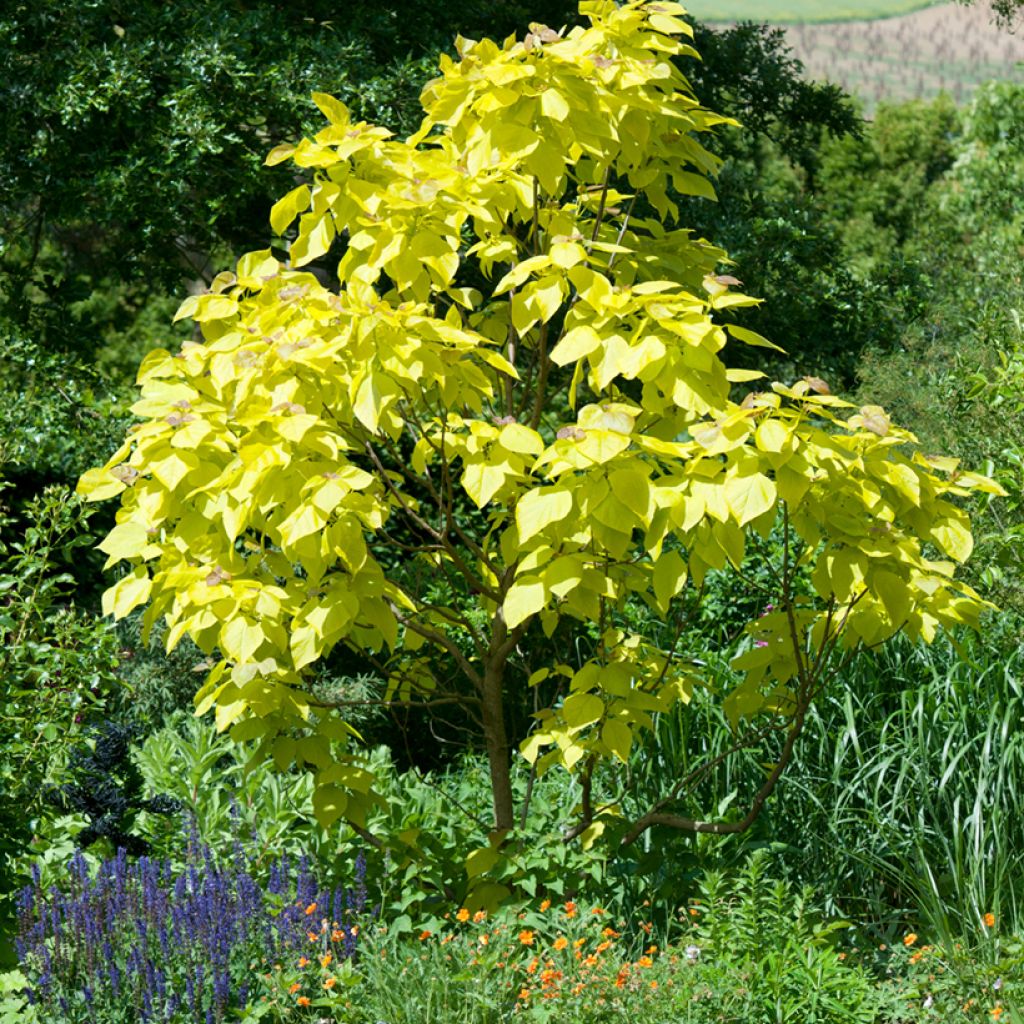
294 988
531 967
424 935
462 915
524 994
561 942
652 949
303 961
303 1000
312 936
480 915
916 957
578 943
337 935
598 910
997 1012
909 940
694 911
526 937
603 946
330 982
610 933
545 905
644 961
311 909
570 909
654 984
990 921
326 959
484 939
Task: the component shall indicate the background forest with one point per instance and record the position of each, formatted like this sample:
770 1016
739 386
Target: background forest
883 880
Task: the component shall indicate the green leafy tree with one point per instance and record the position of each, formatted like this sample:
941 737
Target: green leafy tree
132 134
516 390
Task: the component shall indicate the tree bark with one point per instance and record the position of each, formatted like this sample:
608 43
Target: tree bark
496 740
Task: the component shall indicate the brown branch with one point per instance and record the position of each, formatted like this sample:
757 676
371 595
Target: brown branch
726 827
543 369
440 640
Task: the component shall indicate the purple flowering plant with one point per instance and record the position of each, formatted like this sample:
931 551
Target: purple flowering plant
141 941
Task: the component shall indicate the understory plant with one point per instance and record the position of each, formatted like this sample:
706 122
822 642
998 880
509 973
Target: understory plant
140 941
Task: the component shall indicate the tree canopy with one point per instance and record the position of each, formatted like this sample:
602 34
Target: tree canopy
511 421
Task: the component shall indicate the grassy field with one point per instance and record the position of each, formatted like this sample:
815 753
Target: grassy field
882 55
790 11
945 48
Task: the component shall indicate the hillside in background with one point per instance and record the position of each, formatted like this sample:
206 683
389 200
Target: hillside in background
886 54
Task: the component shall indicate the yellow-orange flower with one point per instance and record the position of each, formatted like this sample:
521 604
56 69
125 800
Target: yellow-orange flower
570 909
337 935
909 940
990 920
598 910
484 939
610 933
303 961
311 909
524 994
326 959
578 943
603 946
997 1012
644 961
526 937
462 915
561 942
303 1000
294 988
545 905
330 982
480 915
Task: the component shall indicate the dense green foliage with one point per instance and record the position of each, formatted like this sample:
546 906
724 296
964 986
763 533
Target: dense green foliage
889 255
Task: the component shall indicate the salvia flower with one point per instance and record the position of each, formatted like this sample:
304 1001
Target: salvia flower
166 945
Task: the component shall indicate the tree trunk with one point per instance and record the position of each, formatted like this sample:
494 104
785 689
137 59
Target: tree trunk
496 739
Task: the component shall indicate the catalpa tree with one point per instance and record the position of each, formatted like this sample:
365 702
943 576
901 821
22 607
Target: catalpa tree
516 385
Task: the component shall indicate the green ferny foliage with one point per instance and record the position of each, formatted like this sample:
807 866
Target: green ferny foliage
518 385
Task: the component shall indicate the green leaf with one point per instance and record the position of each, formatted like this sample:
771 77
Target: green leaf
582 709
538 509
480 861
617 737
329 803
282 213
669 578
525 597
